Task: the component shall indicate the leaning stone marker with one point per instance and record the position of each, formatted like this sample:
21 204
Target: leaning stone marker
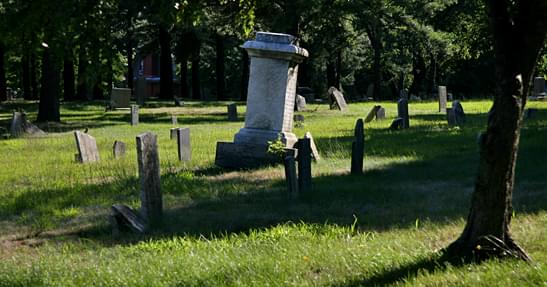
337 100
134 115
451 117
402 110
118 150
381 114
183 143
358 148
87 147
149 177
232 112
314 152
372 114
20 125
442 99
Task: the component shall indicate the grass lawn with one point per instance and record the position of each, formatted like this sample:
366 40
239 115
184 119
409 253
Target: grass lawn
225 228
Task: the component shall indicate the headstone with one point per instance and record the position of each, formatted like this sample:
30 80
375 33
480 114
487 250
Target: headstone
20 125
381 114
149 177
140 90
539 87
370 91
178 102
458 112
314 151
291 177
271 97
87 147
120 98
134 115
299 118
118 150
232 112
451 117
173 133
123 216
304 165
402 111
442 99
372 114
183 142
174 120
529 113
300 103
358 148
397 124
337 100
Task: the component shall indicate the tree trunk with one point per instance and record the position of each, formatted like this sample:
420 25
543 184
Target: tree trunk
3 84
130 72
418 72
25 65
184 77
377 47
517 43
166 64
220 70
68 77
244 75
48 109
196 83
34 76
82 75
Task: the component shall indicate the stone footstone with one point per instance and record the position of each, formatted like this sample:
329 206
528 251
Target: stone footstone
451 117
184 149
123 217
118 150
232 112
87 147
459 113
337 100
173 133
358 148
442 99
372 114
134 115
149 178
178 102
174 120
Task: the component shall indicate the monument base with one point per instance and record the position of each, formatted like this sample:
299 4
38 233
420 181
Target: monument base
242 155
262 137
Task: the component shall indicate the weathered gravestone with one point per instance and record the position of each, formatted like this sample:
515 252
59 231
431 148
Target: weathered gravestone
140 90
336 99
270 101
291 177
372 114
304 165
149 177
539 87
402 112
183 143
120 98
87 147
174 120
459 114
442 99
232 112
358 148
173 133
381 114
314 151
20 125
300 103
397 124
451 117
134 115
118 149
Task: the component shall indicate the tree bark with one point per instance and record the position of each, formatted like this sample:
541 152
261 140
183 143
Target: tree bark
25 65
220 70
184 77
82 75
68 76
377 47
130 71
34 76
48 109
196 82
517 44
166 64
3 84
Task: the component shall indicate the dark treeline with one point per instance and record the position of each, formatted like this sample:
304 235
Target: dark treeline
78 49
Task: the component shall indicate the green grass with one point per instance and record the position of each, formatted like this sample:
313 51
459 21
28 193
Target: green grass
236 227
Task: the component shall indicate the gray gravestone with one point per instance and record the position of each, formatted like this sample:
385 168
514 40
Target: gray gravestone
458 112
232 112
304 165
118 150
291 177
300 103
173 133
337 100
539 87
140 91
402 110
149 177
372 114
183 143
20 125
442 99
134 115
314 151
358 148
451 117
381 114
87 147
174 120
397 124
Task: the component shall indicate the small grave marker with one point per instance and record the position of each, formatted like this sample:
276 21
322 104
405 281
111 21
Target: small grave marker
20 125
173 133
314 152
451 117
458 112
381 114
118 150
149 177
442 99
337 100
291 177
372 114
300 104
134 115
183 143
402 110
358 148
87 147
174 120
539 87
232 112
304 165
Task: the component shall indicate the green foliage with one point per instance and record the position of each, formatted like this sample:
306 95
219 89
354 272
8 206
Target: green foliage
276 147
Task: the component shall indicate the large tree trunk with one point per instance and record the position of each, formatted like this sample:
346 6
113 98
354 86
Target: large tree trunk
130 72
82 86
34 76
25 65
196 82
68 76
377 48
48 109
166 64
418 72
517 43
220 70
3 84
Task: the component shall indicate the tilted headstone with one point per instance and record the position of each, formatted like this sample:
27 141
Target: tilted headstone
134 115
118 149
539 86
358 148
20 125
337 100
291 177
149 177
372 114
174 120
314 151
397 124
458 112
442 99
300 103
381 114
232 112
304 165
87 147
183 143
120 98
451 117
140 90
402 112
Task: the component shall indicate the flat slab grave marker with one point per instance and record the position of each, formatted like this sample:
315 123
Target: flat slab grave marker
183 143
442 99
358 148
149 177
372 114
134 115
120 98
381 114
118 149
402 111
336 99
87 147
232 112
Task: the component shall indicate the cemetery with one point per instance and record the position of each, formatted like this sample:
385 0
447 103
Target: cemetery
201 144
